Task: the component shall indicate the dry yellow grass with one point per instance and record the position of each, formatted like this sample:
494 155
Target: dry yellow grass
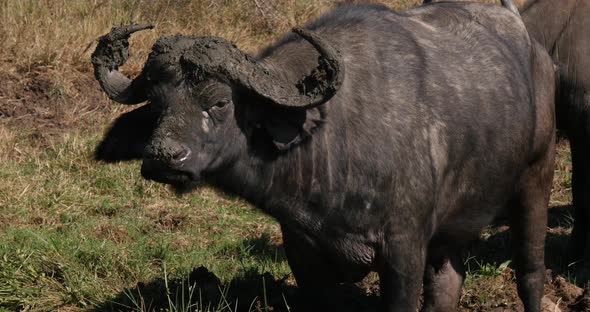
60 34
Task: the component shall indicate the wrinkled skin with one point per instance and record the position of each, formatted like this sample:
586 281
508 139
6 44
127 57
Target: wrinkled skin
433 122
563 28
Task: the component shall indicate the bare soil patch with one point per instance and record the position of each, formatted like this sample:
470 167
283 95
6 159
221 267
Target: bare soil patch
44 104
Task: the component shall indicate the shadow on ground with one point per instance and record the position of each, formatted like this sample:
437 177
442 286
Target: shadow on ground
253 291
250 291
564 281
206 292
496 248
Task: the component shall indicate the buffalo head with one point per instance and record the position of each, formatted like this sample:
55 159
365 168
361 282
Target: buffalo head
207 101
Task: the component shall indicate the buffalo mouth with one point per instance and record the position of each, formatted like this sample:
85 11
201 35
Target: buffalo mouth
181 181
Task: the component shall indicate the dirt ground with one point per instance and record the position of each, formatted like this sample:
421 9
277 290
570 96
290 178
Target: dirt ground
38 102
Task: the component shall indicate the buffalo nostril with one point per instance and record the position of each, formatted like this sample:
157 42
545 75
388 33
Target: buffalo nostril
167 152
181 154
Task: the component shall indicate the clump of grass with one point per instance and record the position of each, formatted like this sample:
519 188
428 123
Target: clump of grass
483 269
488 286
561 191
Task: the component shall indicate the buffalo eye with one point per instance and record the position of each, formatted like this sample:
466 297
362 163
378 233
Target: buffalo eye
216 110
219 104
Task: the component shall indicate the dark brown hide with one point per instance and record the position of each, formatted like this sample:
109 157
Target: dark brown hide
379 140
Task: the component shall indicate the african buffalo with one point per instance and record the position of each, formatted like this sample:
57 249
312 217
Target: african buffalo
563 28
378 140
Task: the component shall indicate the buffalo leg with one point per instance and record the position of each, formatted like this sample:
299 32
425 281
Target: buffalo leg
579 248
528 227
401 277
311 270
443 279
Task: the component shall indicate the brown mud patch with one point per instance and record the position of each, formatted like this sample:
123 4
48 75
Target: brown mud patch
113 233
166 221
43 103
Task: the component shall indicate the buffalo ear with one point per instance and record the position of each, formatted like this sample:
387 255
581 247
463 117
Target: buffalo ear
128 135
289 127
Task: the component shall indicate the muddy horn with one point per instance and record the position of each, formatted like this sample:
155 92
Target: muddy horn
211 56
112 51
312 90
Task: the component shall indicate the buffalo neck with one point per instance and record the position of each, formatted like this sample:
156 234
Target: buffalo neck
546 20
281 184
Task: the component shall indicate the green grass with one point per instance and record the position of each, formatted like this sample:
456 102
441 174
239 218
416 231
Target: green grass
76 232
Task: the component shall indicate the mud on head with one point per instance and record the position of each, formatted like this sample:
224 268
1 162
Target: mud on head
199 91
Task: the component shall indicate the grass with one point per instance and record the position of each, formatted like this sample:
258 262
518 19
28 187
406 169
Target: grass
75 232
40 33
77 235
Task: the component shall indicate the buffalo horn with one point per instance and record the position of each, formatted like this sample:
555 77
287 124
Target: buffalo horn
112 51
